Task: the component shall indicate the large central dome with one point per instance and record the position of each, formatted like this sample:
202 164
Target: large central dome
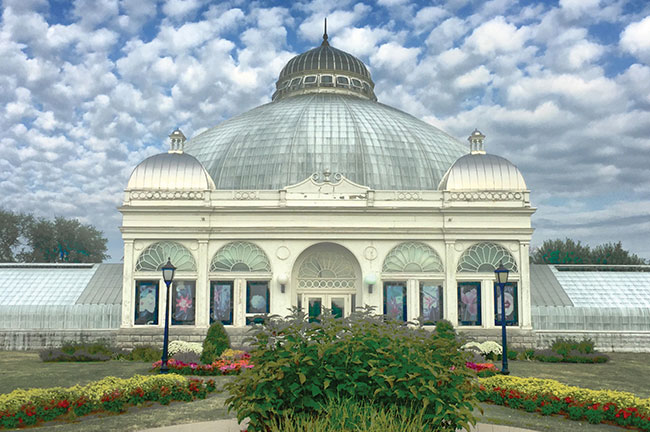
324 115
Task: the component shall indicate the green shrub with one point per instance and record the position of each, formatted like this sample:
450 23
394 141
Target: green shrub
565 346
351 415
144 354
301 366
445 329
81 355
216 342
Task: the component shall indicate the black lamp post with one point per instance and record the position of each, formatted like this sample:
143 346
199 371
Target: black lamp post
501 274
168 276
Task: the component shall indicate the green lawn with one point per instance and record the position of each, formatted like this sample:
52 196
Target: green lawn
626 372
21 369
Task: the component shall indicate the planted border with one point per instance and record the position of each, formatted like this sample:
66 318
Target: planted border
218 367
29 407
549 397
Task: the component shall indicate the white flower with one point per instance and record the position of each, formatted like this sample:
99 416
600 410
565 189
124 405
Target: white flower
179 346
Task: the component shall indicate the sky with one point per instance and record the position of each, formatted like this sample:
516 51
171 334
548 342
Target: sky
89 88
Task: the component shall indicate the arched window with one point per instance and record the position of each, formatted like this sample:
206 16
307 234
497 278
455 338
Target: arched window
326 269
156 255
240 257
486 257
412 257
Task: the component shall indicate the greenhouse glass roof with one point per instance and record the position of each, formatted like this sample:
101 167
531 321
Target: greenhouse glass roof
605 288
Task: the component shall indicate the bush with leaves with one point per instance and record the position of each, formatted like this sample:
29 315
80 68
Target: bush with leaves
300 367
144 353
215 342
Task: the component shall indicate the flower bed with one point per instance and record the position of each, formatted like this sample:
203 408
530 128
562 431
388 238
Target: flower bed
28 407
551 397
223 366
483 369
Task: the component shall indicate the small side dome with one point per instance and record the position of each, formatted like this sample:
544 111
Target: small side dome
174 170
481 171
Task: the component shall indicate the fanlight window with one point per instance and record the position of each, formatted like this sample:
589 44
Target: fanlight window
156 255
486 257
240 257
412 257
326 270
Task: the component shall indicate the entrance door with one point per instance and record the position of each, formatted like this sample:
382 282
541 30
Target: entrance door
313 305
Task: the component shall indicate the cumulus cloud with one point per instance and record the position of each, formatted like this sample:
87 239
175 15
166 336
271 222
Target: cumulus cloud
635 39
91 88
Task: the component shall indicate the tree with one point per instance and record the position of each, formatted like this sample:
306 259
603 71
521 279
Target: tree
613 253
568 251
559 251
11 228
62 240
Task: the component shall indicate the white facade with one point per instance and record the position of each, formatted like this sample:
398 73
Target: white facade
343 229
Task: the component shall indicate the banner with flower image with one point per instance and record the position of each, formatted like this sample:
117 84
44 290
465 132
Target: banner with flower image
395 300
469 303
431 303
221 303
183 307
511 304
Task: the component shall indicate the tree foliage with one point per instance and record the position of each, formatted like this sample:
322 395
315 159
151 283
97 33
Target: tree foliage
568 251
11 228
26 238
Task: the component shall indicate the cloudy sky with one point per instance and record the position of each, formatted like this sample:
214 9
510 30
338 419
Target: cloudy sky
89 88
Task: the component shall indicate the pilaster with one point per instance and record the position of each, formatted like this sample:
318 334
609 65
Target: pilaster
451 289
524 277
202 309
128 285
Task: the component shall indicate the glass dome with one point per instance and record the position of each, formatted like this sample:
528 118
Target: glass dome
324 115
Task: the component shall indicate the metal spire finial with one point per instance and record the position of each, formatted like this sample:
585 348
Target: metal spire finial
177 141
325 37
476 142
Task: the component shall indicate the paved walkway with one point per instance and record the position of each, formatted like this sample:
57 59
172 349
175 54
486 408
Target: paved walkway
231 425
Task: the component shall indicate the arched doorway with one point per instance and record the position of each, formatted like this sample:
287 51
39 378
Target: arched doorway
326 276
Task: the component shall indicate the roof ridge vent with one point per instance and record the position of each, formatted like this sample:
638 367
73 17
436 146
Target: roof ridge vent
177 142
476 142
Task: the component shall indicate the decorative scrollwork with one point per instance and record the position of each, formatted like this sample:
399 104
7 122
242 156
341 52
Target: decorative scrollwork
156 255
240 257
486 257
413 257
167 195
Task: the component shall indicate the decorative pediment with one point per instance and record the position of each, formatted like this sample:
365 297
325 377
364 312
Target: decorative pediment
327 186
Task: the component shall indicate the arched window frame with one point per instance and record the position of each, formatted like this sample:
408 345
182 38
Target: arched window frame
493 256
420 269
241 254
147 270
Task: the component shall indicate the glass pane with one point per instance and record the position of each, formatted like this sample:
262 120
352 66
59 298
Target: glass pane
511 304
257 297
221 298
146 302
469 303
338 307
183 302
315 308
431 303
395 300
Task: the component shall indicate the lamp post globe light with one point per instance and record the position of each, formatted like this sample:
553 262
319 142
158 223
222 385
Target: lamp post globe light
501 274
168 276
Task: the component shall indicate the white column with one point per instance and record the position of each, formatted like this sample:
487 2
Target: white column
412 299
202 308
487 303
128 285
451 287
525 320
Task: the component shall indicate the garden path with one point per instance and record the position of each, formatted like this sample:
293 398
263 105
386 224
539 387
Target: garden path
231 425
